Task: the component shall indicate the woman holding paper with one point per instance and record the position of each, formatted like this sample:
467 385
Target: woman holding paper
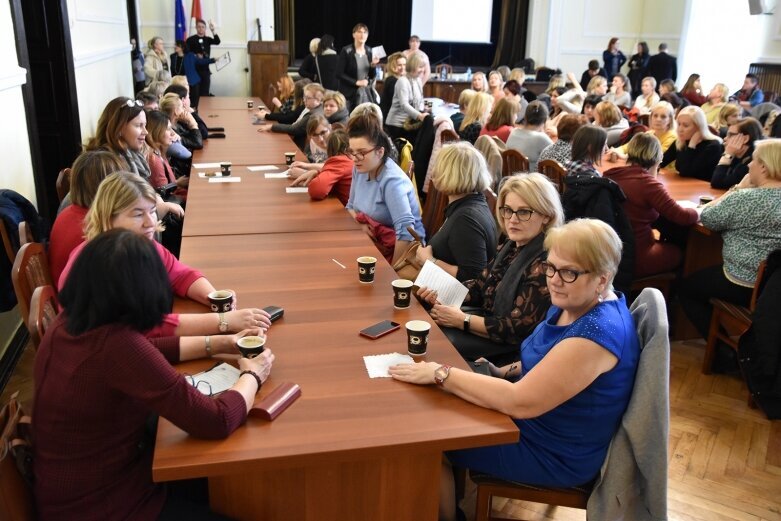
99 380
510 297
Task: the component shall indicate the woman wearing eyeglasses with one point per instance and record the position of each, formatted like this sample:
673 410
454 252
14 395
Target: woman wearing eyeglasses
509 298
575 378
380 190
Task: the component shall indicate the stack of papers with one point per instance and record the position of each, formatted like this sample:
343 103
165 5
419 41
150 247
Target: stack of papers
377 365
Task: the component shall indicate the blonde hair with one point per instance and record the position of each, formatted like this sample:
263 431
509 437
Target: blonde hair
668 108
116 193
608 112
180 80
391 65
644 150
335 96
414 61
591 243
730 109
724 92
517 74
504 113
465 97
477 110
478 74
315 88
460 169
313 43
538 193
170 104
367 108
555 81
595 82
698 118
768 152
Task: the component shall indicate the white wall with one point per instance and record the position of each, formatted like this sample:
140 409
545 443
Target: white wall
235 25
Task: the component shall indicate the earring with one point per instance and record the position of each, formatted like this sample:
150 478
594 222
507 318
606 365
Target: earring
600 298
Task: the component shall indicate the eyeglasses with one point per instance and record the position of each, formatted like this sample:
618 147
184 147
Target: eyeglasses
358 155
523 214
202 386
322 133
134 103
567 275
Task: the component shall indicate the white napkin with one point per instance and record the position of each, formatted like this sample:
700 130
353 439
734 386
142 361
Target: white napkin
280 175
297 190
262 168
206 165
377 365
225 179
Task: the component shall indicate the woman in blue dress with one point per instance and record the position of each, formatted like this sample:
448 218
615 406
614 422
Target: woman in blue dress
569 391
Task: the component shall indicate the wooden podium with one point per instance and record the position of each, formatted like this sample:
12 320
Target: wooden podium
268 62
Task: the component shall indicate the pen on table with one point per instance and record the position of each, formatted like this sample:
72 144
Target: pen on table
340 264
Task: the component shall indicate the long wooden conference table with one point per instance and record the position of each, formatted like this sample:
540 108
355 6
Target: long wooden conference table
351 448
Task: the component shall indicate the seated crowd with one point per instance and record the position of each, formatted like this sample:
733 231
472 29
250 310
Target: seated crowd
547 273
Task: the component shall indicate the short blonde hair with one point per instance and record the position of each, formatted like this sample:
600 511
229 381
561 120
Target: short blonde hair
768 152
391 65
335 96
315 88
644 150
116 193
539 194
369 108
170 103
591 243
313 43
415 60
724 92
465 97
180 79
555 81
608 112
477 110
730 109
478 74
595 82
669 109
518 75
460 169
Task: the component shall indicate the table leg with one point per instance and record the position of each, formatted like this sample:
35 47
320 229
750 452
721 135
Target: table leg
386 489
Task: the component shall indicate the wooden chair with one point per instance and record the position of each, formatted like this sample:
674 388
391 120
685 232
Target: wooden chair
44 308
729 322
660 281
16 498
63 183
448 136
10 251
25 234
553 170
433 210
443 66
490 198
649 303
513 162
644 119
30 270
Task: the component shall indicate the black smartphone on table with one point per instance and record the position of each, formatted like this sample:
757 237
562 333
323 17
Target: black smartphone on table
275 312
379 329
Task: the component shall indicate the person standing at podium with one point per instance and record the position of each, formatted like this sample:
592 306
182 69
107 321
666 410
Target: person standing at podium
355 67
201 44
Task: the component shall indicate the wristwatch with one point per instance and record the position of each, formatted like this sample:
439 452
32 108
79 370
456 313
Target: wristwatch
440 374
223 326
467 319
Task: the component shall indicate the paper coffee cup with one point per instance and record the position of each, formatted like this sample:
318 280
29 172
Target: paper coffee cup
402 293
225 168
366 267
417 337
289 158
222 300
251 346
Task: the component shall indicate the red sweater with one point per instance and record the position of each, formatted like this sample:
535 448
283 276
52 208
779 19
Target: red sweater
336 176
67 234
162 173
502 132
93 396
180 275
646 200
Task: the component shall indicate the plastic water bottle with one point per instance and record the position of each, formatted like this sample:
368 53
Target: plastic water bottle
469 74
443 74
378 74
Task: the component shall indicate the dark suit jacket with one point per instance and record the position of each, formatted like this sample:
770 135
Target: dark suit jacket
662 66
347 71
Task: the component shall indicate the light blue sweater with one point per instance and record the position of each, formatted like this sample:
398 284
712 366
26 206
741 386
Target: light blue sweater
390 199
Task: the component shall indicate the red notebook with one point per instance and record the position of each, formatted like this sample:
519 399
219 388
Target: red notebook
279 399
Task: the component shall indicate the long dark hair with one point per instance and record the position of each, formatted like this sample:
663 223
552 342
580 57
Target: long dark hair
117 279
326 42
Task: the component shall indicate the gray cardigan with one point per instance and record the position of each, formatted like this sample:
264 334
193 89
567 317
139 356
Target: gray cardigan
407 100
633 480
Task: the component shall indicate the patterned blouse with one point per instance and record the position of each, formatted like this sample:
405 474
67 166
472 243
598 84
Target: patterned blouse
287 105
581 168
531 302
750 223
560 151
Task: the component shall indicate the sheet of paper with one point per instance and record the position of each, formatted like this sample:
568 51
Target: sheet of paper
297 190
450 291
280 175
230 179
206 166
223 61
687 204
262 168
219 379
379 52
377 365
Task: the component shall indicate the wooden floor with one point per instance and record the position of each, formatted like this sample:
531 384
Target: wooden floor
725 459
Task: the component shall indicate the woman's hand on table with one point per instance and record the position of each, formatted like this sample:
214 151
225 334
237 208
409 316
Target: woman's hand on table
248 318
226 344
449 316
264 128
175 209
295 171
305 179
421 373
260 365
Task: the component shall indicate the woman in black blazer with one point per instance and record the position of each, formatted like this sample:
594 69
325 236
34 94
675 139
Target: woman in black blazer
325 62
355 67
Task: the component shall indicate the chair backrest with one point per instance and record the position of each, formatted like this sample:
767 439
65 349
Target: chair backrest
447 135
647 417
554 171
447 67
25 234
63 183
44 308
30 270
433 210
490 198
16 499
7 244
513 161
758 285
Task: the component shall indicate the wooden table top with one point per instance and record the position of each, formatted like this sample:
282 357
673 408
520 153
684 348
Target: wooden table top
258 205
222 103
342 413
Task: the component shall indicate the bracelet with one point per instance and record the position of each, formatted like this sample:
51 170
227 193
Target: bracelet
208 346
434 260
254 375
509 370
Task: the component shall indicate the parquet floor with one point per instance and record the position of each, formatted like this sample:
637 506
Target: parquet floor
725 458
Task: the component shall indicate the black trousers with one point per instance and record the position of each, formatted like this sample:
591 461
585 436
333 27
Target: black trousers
195 95
188 500
206 80
698 288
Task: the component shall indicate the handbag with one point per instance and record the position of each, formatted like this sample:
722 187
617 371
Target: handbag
407 266
16 473
412 124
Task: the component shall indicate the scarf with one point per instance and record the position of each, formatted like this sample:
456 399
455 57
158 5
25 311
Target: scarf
507 289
